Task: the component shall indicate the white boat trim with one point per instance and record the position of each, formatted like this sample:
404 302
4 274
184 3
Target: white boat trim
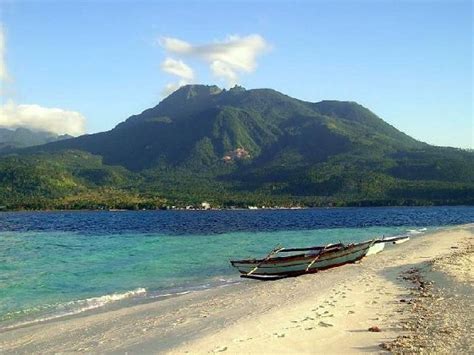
375 249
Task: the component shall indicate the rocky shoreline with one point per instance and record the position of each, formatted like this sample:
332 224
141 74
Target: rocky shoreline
439 314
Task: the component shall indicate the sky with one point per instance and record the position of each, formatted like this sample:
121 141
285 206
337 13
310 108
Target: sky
84 66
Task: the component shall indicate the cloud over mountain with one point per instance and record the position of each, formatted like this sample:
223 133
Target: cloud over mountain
40 118
226 59
179 69
34 117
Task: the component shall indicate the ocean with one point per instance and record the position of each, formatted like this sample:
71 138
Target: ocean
55 264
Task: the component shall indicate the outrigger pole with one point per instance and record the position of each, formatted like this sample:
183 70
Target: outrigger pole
273 252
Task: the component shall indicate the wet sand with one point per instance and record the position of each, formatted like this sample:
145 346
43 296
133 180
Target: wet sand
328 312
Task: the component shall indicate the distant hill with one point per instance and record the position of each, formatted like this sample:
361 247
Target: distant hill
22 137
242 147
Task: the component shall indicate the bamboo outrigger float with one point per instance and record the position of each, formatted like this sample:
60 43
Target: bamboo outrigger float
311 260
379 244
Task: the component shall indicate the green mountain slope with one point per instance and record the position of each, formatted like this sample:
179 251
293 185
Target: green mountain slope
11 139
259 146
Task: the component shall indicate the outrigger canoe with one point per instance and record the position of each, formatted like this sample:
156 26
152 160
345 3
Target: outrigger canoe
378 247
394 240
379 244
311 260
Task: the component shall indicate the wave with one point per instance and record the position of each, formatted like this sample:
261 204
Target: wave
96 302
78 306
47 312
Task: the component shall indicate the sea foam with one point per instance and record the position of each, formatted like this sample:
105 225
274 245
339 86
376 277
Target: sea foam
79 306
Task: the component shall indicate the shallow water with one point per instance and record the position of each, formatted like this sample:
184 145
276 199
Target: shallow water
60 263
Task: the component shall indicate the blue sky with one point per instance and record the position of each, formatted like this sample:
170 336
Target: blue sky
408 61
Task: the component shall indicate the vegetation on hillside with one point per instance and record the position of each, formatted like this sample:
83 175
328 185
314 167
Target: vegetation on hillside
238 148
11 139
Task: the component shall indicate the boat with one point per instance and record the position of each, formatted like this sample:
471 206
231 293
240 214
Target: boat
395 240
306 261
401 240
378 246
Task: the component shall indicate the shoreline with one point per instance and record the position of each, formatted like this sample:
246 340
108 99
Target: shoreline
119 299
214 209
332 310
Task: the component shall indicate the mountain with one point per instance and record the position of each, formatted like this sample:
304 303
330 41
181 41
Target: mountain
11 139
240 147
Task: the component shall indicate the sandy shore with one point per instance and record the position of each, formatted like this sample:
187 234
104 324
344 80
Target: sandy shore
418 294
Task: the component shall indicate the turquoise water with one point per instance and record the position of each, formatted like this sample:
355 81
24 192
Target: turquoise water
46 275
62 263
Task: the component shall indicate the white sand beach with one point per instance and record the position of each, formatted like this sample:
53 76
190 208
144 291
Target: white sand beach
400 291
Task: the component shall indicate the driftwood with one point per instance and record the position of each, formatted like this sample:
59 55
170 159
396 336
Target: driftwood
273 252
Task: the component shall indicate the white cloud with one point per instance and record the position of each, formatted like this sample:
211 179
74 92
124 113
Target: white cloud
181 70
178 68
172 87
176 45
40 118
35 117
226 59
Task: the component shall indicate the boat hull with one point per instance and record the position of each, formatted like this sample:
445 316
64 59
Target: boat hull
302 264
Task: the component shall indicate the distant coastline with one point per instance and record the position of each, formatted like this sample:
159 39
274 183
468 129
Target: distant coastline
296 205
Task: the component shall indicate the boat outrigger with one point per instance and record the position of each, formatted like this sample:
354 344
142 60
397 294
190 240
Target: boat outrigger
379 244
311 260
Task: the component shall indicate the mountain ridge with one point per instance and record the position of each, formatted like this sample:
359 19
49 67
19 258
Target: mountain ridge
237 145
22 137
189 108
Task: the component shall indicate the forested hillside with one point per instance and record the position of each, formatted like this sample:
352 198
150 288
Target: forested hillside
239 147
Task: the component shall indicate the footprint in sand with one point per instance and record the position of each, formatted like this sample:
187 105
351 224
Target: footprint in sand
220 349
324 324
242 340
